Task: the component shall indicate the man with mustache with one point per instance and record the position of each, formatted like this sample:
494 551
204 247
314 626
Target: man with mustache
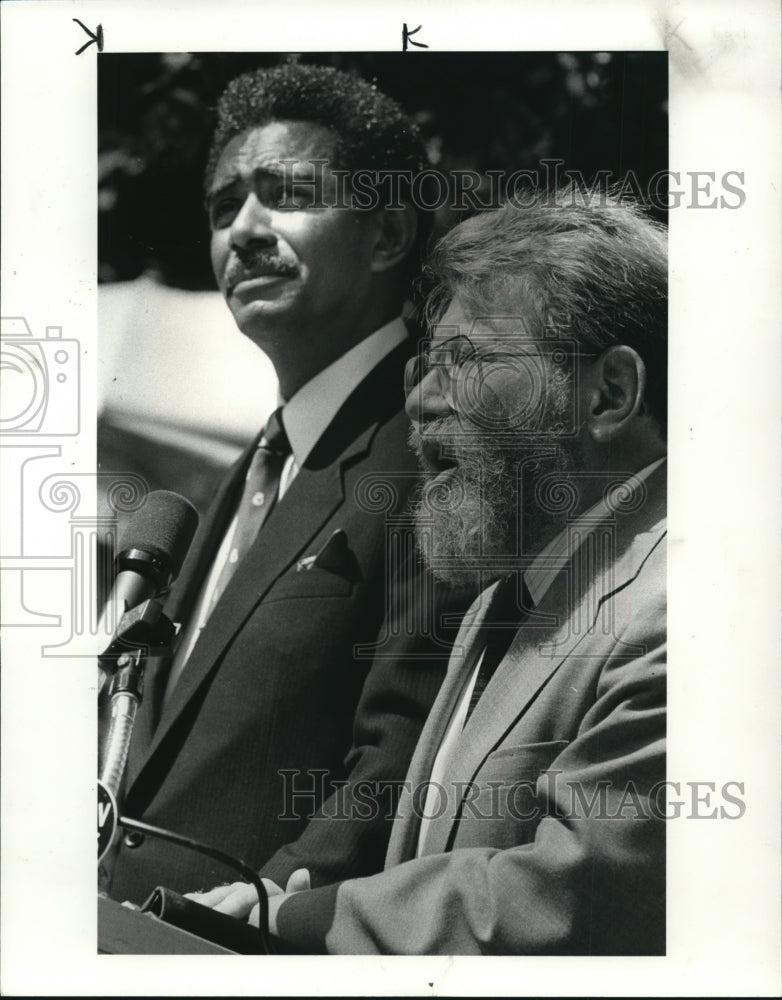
304 554
532 817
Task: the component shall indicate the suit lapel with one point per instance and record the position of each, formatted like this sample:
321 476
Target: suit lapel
506 697
467 648
314 495
537 652
182 595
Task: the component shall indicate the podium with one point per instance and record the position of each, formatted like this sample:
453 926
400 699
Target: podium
122 931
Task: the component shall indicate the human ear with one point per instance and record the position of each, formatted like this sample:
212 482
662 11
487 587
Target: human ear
395 232
614 392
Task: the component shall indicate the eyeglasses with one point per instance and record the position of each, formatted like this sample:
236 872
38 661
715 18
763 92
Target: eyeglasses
486 382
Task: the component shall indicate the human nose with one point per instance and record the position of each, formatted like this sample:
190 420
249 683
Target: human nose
425 399
251 225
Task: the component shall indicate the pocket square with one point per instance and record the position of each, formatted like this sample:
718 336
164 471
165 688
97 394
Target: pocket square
335 557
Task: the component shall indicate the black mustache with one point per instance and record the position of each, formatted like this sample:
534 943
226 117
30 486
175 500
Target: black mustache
256 265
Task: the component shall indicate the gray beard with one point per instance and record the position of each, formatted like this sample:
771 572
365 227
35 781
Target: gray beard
478 524
500 503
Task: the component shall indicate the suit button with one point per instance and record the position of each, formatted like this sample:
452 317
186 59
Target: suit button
133 839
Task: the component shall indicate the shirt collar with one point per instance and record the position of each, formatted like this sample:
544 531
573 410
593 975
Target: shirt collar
544 568
308 413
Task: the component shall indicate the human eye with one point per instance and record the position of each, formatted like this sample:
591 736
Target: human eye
274 193
286 192
495 357
223 210
435 356
301 192
452 353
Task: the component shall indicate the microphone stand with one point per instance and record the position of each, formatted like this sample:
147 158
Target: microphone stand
142 631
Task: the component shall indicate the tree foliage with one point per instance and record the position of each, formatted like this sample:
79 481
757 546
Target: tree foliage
596 112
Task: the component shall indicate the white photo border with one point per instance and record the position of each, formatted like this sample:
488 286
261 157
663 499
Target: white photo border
724 534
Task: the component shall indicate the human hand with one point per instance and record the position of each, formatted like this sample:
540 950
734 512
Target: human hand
298 882
240 900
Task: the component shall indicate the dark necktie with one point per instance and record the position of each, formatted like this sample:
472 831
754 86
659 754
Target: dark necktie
510 604
258 496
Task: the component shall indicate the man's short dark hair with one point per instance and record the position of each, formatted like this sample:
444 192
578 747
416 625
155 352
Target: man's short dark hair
594 272
372 131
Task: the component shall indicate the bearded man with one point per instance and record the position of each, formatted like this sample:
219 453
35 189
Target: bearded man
531 820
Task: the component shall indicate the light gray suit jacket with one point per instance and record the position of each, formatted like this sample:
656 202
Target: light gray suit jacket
548 836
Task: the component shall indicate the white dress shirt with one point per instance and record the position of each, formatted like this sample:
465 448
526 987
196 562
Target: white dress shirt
538 577
305 416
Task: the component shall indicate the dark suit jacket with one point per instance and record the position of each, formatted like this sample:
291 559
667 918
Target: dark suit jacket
549 836
265 706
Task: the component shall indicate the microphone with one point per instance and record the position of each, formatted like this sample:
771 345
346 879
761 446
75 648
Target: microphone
151 553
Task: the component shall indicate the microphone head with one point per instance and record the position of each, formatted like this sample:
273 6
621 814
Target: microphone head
163 528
